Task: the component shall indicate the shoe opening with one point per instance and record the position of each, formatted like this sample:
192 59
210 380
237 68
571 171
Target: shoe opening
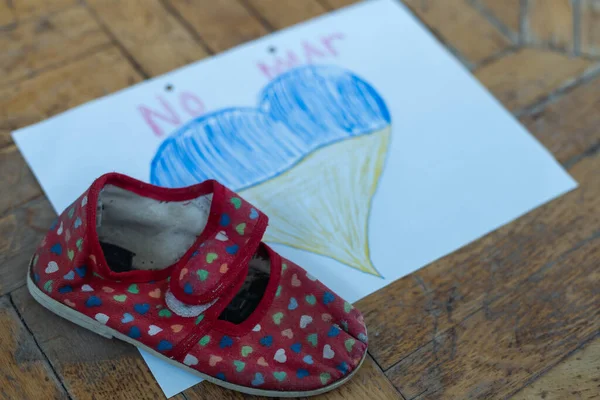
141 233
252 290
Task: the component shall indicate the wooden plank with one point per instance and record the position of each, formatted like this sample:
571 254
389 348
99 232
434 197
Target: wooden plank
369 383
25 103
334 4
529 75
20 233
29 9
90 366
31 46
462 27
568 127
221 24
577 377
25 372
589 30
15 178
281 14
439 296
7 16
154 37
549 23
506 11
501 347
57 90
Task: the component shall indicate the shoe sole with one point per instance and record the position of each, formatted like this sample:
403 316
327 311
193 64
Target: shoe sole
92 325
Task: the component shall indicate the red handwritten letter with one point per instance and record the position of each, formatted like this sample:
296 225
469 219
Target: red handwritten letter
191 104
280 65
311 52
150 116
327 42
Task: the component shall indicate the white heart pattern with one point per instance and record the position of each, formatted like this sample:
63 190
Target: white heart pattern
84 201
153 330
221 236
311 277
87 288
103 318
52 267
190 360
328 353
60 229
280 356
305 320
256 328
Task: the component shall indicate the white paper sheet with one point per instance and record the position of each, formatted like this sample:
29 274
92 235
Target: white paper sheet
451 166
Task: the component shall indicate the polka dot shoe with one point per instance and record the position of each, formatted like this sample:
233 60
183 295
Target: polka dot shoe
183 274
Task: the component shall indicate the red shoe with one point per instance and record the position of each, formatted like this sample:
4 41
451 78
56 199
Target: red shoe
183 274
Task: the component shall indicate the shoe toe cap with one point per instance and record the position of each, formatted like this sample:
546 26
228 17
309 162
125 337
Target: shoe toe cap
338 325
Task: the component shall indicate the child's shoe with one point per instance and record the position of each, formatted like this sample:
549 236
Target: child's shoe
183 274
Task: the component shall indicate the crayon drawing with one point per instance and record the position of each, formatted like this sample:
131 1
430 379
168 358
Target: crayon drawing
310 156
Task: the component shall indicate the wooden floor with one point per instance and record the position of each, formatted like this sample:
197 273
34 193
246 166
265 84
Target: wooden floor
515 314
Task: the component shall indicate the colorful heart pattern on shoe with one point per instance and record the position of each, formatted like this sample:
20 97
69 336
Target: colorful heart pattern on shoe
305 338
292 344
190 360
216 257
51 268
